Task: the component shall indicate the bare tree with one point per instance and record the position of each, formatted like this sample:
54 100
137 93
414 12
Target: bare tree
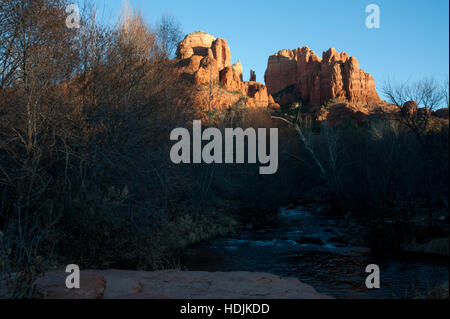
37 55
416 103
169 35
445 92
327 165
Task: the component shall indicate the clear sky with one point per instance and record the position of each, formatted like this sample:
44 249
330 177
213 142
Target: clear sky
411 43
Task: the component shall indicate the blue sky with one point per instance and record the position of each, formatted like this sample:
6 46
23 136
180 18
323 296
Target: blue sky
412 42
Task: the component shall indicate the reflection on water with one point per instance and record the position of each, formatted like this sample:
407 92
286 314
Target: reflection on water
317 250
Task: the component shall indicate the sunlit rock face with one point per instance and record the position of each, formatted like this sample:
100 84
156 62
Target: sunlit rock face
196 43
206 59
301 74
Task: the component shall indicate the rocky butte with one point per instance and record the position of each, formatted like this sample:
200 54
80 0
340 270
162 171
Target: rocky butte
301 74
204 59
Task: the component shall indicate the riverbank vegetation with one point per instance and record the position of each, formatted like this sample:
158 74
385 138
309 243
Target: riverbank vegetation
85 172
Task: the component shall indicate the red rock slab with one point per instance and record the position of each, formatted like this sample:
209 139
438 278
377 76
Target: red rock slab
53 285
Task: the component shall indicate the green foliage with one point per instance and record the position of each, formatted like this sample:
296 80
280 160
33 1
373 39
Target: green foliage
189 229
331 103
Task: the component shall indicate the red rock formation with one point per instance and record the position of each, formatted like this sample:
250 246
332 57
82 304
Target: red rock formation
205 59
258 96
410 109
194 44
221 53
301 74
237 68
339 113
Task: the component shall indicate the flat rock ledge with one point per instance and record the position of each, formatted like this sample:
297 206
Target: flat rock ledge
172 284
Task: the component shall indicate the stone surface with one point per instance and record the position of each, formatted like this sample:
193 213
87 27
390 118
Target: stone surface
409 109
221 53
338 113
171 284
194 43
237 68
53 285
257 93
204 59
230 79
302 74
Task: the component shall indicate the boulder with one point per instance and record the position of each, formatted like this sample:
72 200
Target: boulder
53 285
409 109
172 284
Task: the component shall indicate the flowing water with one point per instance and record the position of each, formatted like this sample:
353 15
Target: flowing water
316 249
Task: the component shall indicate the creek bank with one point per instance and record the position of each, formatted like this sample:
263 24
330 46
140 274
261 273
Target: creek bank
326 252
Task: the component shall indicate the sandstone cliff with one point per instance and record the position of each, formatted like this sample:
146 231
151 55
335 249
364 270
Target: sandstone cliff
302 74
205 59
